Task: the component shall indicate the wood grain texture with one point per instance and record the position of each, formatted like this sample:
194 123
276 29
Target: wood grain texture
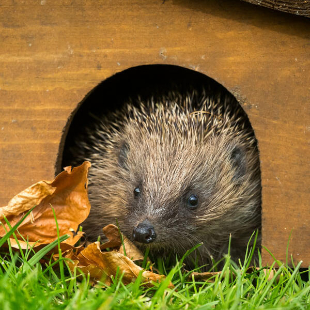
298 7
52 53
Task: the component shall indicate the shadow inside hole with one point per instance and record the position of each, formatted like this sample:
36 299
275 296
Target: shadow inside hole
132 85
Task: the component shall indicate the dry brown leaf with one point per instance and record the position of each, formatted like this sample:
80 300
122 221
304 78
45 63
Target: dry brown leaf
204 276
88 262
112 233
105 265
114 260
27 199
67 194
210 276
131 250
71 244
75 238
271 273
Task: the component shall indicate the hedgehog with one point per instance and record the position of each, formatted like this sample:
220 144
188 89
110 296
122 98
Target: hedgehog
176 172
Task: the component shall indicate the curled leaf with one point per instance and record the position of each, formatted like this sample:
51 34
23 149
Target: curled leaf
115 241
67 194
104 266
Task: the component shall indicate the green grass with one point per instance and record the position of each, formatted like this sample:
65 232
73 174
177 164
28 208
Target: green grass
26 284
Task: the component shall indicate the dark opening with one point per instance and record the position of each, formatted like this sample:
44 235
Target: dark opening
141 82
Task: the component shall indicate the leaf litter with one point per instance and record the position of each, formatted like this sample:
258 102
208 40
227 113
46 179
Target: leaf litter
67 196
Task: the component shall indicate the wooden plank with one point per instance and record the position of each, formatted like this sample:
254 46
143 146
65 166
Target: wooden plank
298 7
52 53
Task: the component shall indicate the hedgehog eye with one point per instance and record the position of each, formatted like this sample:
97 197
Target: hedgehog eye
192 202
136 191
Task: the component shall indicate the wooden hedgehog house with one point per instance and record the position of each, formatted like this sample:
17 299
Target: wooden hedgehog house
53 53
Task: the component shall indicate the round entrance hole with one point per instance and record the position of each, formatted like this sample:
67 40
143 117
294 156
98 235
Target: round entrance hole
134 85
157 84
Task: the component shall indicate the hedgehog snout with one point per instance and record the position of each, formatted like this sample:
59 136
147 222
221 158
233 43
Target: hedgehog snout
144 232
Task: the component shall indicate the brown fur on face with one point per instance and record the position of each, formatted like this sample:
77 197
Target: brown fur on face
169 150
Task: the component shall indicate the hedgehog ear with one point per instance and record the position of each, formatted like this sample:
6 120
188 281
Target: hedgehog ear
123 155
238 161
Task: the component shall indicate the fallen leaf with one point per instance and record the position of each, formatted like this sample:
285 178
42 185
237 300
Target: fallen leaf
112 233
210 276
204 276
88 262
27 199
103 266
115 241
131 250
67 194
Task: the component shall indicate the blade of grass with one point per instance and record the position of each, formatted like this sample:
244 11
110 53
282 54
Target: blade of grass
8 234
145 258
35 258
270 284
273 257
17 241
287 246
249 254
164 284
291 279
61 263
121 236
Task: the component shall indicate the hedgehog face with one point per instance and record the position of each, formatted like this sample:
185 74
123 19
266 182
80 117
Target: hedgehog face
183 193
174 179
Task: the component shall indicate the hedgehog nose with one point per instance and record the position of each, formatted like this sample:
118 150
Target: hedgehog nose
144 232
